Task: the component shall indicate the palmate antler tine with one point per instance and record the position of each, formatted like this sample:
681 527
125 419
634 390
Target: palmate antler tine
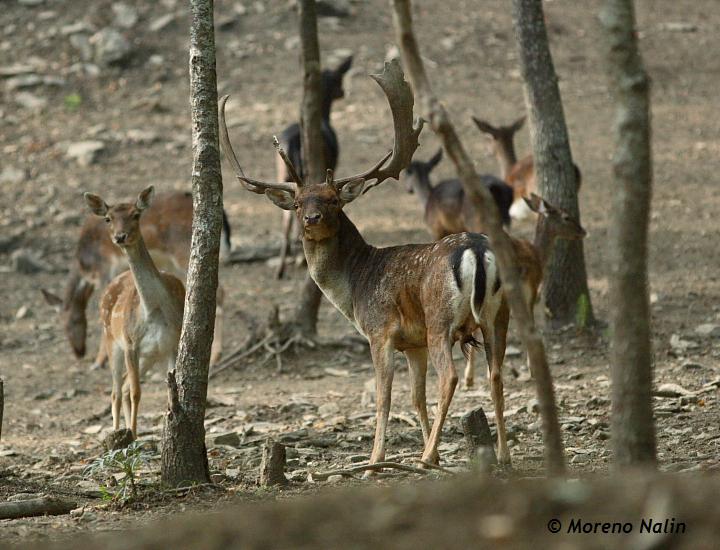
400 97
250 184
288 163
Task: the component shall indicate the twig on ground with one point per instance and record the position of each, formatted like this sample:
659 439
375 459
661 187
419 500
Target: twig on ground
349 472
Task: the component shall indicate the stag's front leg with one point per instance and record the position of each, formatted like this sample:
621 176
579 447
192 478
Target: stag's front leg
382 356
440 348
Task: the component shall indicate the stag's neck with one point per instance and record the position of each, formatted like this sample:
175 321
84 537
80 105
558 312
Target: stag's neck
544 241
332 262
506 157
154 295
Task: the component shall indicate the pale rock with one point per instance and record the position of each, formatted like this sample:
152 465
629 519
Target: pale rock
708 330
85 153
125 15
111 47
161 22
12 175
30 101
329 409
81 42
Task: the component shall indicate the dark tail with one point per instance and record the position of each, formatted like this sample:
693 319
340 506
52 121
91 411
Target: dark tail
226 231
466 343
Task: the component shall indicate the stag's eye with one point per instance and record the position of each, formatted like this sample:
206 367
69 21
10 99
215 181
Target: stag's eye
296 205
136 216
107 219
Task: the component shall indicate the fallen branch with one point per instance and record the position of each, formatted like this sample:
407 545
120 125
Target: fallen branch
349 472
254 254
44 506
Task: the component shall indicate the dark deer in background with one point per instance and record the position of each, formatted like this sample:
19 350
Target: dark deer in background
332 89
519 174
167 227
446 210
418 299
552 223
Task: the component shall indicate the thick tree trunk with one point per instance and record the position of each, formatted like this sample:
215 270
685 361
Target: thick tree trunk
432 110
631 352
308 306
184 456
566 295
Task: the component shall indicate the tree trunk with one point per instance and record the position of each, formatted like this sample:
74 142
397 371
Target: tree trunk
306 313
631 352
2 405
184 456
433 111
565 289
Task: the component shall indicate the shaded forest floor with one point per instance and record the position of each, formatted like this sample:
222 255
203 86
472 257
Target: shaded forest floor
319 405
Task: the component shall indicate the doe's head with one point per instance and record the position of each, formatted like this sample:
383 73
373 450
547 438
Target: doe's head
419 171
332 79
123 220
563 224
317 206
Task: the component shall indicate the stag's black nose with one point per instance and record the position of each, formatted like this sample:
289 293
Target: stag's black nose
312 219
120 238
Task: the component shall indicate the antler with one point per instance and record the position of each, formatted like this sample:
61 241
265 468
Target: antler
253 185
400 97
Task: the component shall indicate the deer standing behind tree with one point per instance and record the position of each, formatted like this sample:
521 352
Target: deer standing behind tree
418 299
519 174
446 209
167 229
552 224
290 140
141 310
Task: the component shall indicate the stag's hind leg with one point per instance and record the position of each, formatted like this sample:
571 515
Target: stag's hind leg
496 337
417 365
440 348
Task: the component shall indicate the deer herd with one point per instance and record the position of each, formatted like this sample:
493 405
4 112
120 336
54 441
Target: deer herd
418 299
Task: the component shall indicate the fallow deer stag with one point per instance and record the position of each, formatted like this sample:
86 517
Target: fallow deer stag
290 140
552 223
446 210
519 174
419 299
141 310
167 227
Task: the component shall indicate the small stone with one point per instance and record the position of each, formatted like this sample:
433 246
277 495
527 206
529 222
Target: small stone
23 81
335 478
581 458
12 175
328 409
30 101
85 152
93 430
125 15
79 26
26 262
512 351
678 26
111 47
292 42
23 312
533 406
690 365
231 439
142 136
672 390
81 42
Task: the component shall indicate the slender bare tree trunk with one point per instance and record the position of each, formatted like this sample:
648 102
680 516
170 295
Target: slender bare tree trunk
2 405
631 351
306 313
184 456
565 288
432 110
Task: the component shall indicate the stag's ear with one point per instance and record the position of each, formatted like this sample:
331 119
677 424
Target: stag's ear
95 203
534 202
351 190
145 198
283 199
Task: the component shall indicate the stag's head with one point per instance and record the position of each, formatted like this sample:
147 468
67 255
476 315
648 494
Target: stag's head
318 204
123 220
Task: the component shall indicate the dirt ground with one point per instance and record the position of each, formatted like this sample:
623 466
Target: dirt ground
319 405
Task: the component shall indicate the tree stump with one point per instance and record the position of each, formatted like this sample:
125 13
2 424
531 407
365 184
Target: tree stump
272 466
478 438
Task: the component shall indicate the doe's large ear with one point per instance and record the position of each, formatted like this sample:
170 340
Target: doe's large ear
145 198
515 126
283 199
485 127
352 190
436 158
52 299
95 203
